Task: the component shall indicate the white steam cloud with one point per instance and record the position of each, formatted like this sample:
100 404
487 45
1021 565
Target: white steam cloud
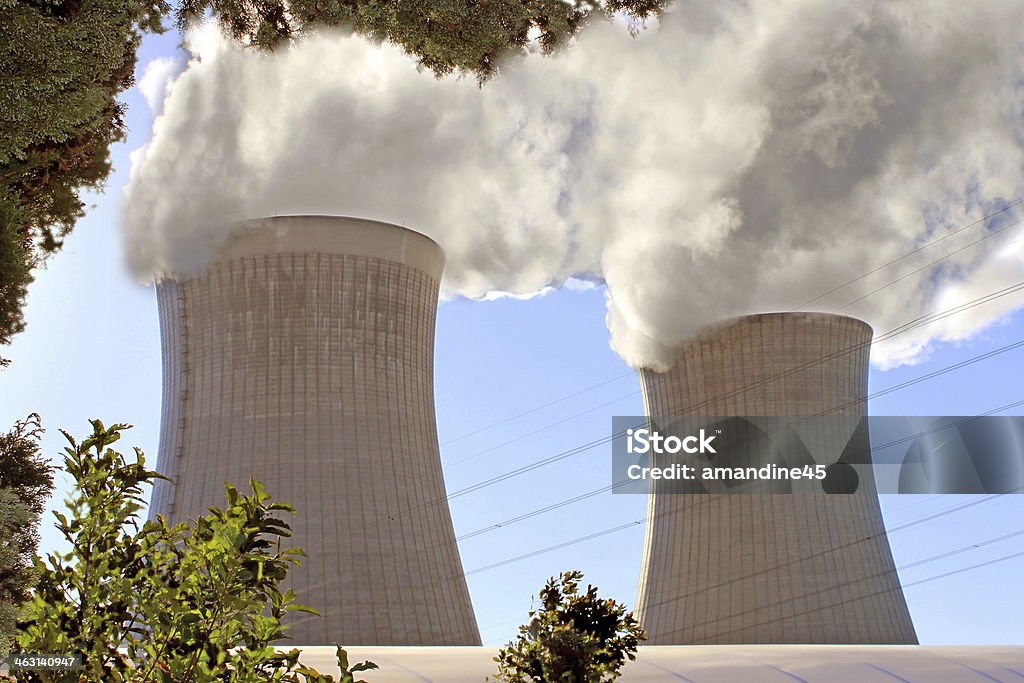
156 80
740 157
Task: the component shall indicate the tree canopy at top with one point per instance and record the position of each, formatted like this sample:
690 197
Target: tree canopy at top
63 64
445 35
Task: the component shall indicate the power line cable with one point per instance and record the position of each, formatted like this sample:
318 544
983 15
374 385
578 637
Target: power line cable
874 575
540 407
857 346
831 549
927 245
554 506
703 498
541 429
884 591
605 489
929 265
907 525
579 449
981 220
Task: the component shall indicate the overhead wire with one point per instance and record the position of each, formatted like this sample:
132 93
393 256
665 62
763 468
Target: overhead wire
833 587
877 269
914 323
536 409
702 499
918 250
929 265
604 489
792 561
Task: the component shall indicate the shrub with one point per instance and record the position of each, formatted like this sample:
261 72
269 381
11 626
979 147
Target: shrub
573 637
153 602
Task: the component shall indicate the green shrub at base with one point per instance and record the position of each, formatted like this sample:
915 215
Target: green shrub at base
573 637
144 601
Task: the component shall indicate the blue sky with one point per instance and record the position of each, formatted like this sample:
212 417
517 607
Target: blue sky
92 350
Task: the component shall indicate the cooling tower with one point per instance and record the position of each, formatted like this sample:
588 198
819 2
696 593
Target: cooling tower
303 357
739 568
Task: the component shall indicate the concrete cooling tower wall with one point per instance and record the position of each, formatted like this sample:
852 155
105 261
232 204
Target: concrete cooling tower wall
304 358
741 568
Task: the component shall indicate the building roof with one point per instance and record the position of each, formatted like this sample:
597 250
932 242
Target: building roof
713 663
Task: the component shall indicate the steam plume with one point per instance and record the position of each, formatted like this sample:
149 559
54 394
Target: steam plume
739 157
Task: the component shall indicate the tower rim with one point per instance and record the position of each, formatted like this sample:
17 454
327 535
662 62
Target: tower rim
323 234
249 222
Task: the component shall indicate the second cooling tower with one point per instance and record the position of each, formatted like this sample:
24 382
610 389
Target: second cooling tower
733 568
303 357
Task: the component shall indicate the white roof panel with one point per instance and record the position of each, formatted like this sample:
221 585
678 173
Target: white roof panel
715 663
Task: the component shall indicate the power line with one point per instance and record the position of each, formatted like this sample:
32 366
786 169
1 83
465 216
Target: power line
541 429
605 489
703 498
927 245
929 265
896 331
554 506
829 550
597 534
916 522
534 410
1004 558
966 548
579 449
909 254
857 580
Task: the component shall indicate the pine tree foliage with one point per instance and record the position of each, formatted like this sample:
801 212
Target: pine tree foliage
63 64
471 36
25 485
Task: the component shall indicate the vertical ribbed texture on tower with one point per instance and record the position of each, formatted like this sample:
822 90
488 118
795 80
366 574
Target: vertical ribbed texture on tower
303 357
770 568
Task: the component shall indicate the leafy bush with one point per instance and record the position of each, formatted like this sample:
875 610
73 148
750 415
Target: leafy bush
162 603
571 638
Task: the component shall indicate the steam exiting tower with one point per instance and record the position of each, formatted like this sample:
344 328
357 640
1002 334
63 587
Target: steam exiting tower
303 357
737 568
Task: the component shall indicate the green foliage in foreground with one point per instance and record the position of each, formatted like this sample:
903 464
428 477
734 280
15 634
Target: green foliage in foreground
152 602
25 485
573 638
